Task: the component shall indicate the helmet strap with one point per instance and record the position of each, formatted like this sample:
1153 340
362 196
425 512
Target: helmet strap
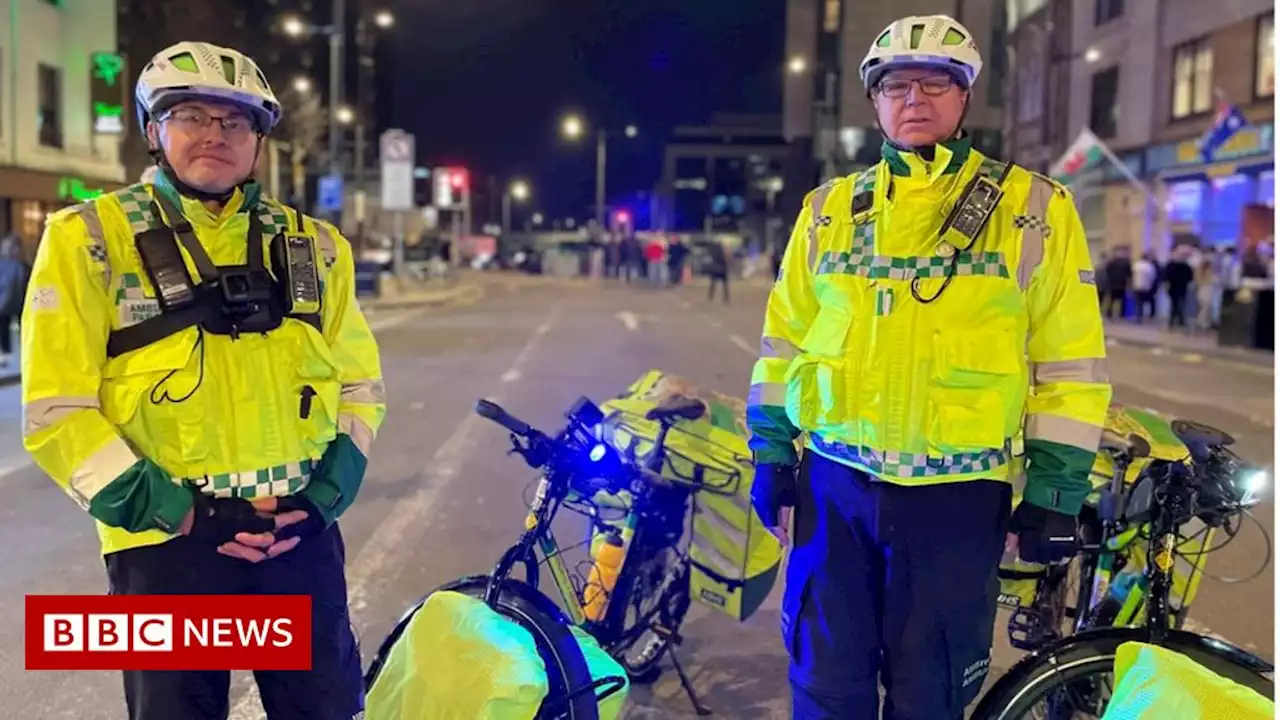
186 190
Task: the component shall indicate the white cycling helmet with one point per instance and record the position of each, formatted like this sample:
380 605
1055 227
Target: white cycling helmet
201 71
923 41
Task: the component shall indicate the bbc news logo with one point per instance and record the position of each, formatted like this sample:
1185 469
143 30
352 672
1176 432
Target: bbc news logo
168 632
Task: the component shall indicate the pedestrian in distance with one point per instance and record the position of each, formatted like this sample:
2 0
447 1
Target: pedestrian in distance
909 354
214 424
13 291
718 270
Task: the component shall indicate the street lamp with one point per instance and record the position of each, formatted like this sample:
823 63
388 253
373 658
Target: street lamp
572 126
293 26
518 191
346 115
384 19
302 84
797 65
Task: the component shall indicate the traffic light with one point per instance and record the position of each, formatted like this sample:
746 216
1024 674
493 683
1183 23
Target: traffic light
451 187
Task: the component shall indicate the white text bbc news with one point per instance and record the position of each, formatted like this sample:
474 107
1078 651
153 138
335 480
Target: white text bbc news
140 632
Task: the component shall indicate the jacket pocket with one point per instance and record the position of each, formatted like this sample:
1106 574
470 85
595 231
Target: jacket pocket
973 382
817 380
158 396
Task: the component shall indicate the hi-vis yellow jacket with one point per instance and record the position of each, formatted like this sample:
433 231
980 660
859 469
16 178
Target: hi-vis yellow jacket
881 376
122 434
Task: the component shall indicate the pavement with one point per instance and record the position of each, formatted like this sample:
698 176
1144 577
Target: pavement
442 499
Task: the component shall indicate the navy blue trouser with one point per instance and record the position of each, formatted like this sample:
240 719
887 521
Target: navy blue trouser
332 690
893 584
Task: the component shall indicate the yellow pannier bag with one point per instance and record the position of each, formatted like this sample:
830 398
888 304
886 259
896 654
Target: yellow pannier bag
1155 683
735 558
459 660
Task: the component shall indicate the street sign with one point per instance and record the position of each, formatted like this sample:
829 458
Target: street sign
329 193
397 155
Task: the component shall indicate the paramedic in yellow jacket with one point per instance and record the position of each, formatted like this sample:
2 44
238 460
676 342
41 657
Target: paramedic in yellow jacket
928 310
198 376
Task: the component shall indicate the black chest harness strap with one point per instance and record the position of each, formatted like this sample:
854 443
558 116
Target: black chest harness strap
230 299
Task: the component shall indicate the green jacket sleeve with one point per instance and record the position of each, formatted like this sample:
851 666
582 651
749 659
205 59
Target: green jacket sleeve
1070 390
65 324
791 309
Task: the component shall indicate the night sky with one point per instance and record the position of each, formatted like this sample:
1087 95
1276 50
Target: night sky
484 83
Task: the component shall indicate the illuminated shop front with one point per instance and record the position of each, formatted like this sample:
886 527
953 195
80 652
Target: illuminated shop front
27 197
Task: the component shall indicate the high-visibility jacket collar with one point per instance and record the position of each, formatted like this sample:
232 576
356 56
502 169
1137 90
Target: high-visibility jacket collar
947 159
244 198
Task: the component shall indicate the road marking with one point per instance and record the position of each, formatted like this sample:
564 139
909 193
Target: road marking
511 376
746 347
372 567
629 320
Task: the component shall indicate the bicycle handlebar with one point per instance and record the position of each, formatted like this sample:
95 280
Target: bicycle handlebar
493 411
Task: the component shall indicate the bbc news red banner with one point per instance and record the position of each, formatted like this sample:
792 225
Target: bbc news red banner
168 632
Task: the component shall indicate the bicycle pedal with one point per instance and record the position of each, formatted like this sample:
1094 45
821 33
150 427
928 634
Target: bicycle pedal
1028 630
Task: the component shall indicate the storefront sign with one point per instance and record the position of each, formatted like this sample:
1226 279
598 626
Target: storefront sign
107 93
74 189
1251 141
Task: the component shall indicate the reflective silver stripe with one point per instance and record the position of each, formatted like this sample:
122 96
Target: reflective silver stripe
707 554
720 524
1033 232
43 414
815 213
774 347
1055 428
367 392
1084 370
97 238
360 432
774 394
97 472
328 247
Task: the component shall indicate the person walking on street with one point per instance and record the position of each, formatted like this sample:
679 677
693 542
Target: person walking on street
1146 277
718 270
13 290
908 353
1178 277
135 364
1207 291
677 253
1118 274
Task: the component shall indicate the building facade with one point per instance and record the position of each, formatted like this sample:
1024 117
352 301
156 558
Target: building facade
61 110
828 121
1147 77
725 176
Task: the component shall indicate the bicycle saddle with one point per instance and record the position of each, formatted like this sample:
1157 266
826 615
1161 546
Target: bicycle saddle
677 407
1195 434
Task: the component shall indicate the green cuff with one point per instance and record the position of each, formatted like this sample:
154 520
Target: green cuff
772 435
336 481
1058 476
143 498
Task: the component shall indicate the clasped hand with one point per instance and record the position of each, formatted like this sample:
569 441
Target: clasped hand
215 520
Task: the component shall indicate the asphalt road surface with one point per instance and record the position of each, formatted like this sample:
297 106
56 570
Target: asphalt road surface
442 499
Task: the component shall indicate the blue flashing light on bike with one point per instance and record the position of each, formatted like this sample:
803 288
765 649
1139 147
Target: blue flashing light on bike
598 452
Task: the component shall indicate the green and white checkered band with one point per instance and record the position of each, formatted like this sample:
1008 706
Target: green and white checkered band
137 205
861 259
911 465
286 479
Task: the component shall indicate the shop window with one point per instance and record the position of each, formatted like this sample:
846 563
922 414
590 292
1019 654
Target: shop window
831 16
1192 78
1104 108
1030 91
49 112
1104 11
1185 200
1227 197
1264 71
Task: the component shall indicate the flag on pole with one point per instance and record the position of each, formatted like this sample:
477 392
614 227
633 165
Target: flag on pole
1227 121
1086 152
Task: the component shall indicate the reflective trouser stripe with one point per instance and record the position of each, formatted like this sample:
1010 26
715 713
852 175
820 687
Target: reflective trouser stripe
45 413
1084 370
1033 233
1063 430
99 470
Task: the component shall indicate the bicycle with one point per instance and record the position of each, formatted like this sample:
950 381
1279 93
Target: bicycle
1067 674
575 465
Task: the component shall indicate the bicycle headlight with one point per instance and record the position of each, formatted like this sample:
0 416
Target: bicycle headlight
1252 482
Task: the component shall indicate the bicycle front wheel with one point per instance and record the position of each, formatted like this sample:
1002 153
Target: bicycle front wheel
571 692
1073 678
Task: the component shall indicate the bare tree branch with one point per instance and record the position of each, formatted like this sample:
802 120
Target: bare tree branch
305 122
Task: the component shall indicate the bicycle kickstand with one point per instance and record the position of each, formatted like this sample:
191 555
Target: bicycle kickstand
674 640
